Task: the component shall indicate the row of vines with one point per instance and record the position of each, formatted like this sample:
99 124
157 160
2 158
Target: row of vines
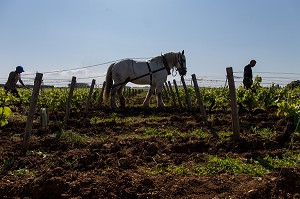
54 99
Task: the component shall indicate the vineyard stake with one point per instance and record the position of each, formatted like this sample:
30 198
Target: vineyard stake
100 98
69 100
172 93
187 96
43 118
166 93
233 103
177 93
135 92
88 101
167 87
30 117
128 92
199 98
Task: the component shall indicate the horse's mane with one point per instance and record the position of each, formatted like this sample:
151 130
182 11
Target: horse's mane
170 56
155 59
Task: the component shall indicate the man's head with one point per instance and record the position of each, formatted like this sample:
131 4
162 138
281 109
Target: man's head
19 69
252 62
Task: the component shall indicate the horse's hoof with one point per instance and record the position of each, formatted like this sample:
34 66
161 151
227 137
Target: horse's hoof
114 107
160 106
146 106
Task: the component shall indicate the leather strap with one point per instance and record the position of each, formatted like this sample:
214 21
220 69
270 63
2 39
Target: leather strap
166 65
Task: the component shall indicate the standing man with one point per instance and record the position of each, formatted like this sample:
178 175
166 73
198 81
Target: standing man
12 81
248 77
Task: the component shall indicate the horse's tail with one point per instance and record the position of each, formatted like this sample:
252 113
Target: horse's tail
108 85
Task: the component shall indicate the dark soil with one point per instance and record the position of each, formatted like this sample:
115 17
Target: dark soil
111 163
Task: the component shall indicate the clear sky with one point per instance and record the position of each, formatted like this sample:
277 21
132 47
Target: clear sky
49 35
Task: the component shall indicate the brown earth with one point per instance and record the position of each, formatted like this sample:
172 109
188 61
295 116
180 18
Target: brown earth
112 163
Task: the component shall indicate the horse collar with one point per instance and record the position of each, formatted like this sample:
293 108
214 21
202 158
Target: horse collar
166 65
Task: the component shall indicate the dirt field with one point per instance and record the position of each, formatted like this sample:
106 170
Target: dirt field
114 159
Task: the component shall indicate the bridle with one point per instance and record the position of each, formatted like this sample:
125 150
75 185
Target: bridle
182 70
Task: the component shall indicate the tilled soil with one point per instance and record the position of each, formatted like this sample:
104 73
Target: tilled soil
113 161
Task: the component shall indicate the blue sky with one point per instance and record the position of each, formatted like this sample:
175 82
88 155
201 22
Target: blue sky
53 35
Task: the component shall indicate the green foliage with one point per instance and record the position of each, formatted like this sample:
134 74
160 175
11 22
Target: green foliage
293 84
7 165
157 169
4 113
224 136
267 97
71 162
250 98
256 83
179 170
288 160
151 131
209 98
40 154
56 99
165 133
217 165
53 99
247 98
291 110
262 97
113 117
104 138
73 137
265 133
215 98
199 132
23 172
94 120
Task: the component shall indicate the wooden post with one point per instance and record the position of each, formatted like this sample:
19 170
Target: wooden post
88 101
225 82
172 93
100 98
128 92
166 93
199 98
43 117
234 110
187 96
177 93
30 117
69 100
167 87
135 92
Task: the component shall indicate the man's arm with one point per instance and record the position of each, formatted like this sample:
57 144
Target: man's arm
20 80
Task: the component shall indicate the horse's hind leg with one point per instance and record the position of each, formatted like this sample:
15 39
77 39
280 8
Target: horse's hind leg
121 96
146 102
159 99
113 97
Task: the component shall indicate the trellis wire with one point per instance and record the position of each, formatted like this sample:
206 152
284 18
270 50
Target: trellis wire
204 81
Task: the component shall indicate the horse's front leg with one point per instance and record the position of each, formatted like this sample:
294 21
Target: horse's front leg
113 98
146 102
159 98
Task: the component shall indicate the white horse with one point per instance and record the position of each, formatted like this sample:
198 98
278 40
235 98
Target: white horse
153 72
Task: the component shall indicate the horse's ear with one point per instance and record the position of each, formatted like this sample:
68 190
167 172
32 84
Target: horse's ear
182 52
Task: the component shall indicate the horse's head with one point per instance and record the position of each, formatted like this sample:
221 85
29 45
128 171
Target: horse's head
181 63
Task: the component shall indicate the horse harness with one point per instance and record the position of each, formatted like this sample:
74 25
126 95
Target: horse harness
166 67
